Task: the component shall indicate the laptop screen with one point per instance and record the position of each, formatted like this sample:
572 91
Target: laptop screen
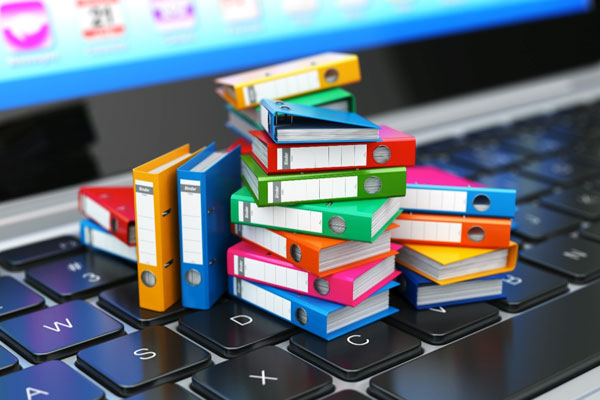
54 50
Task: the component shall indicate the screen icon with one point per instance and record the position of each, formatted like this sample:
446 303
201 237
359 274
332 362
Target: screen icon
171 15
25 25
234 11
100 19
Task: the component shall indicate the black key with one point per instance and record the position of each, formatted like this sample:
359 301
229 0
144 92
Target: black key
526 188
17 259
518 358
347 395
580 202
52 380
8 362
488 157
537 223
141 360
592 232
17 299
123 302
559 170
575 258
536 142
440 325
266 373
58 331
359 354
167 391
79 276
230 328
527 286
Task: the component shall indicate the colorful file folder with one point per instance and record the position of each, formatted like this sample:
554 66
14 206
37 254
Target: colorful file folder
157 225
204 184
96 237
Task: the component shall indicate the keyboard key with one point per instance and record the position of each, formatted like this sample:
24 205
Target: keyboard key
8 362
167 391
441 325
592 232
17 299
359 354
536 142
537 223
575 258
52 380
347 395
488 157
79 276
266 373
526 188
231 328
559 170
141 360
123 302
520 357
58 331
580 202
18 258
528 286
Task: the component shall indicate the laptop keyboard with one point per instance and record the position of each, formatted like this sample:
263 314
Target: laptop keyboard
70 327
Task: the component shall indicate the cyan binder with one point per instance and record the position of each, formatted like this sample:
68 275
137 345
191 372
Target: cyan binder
204 185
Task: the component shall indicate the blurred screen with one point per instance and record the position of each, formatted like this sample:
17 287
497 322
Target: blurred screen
54 50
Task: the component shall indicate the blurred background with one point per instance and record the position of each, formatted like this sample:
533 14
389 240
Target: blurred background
91 88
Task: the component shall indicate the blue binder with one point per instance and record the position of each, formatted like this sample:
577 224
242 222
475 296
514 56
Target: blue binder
306 312
96 237
204 229
312 122
412 282
480 201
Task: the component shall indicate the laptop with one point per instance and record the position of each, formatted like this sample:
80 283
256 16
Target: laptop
506 93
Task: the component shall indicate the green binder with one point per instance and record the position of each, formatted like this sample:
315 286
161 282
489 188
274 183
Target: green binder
317 187
359 220
336 98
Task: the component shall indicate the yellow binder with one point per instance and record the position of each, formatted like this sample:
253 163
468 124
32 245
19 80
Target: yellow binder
156 222
288 79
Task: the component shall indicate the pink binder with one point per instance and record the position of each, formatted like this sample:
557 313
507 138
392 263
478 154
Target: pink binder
250 262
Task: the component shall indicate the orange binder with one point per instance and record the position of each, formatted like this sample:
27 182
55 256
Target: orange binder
288 79
156 221
320 255
452 230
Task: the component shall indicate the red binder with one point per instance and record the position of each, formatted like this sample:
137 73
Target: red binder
112 208
395 149
245 146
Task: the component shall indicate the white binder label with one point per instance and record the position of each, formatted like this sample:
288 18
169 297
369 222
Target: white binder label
282 87
263 298
107 242
145 223
434 200
95 211
191 221
280 217
313 189
427 230
271 273
291 158
264 238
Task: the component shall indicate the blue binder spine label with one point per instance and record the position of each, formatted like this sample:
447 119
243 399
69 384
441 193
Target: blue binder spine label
191 221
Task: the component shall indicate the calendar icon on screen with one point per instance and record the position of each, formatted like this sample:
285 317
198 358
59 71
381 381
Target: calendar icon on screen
101 19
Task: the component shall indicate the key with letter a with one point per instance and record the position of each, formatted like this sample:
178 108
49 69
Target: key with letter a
58 331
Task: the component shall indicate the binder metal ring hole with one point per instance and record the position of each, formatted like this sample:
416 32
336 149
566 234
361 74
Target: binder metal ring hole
284 107
114 225
372 185
331 75
165 213
382 154
337 225
168 264
193 277
481 203
148 279
321 286
301 316
476 233
296 253
279 103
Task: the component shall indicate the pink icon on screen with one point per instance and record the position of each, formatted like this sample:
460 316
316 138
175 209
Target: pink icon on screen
173 14
25 25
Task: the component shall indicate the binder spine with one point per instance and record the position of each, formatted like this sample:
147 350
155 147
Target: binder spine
94 236
91 209
264 238
146 225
